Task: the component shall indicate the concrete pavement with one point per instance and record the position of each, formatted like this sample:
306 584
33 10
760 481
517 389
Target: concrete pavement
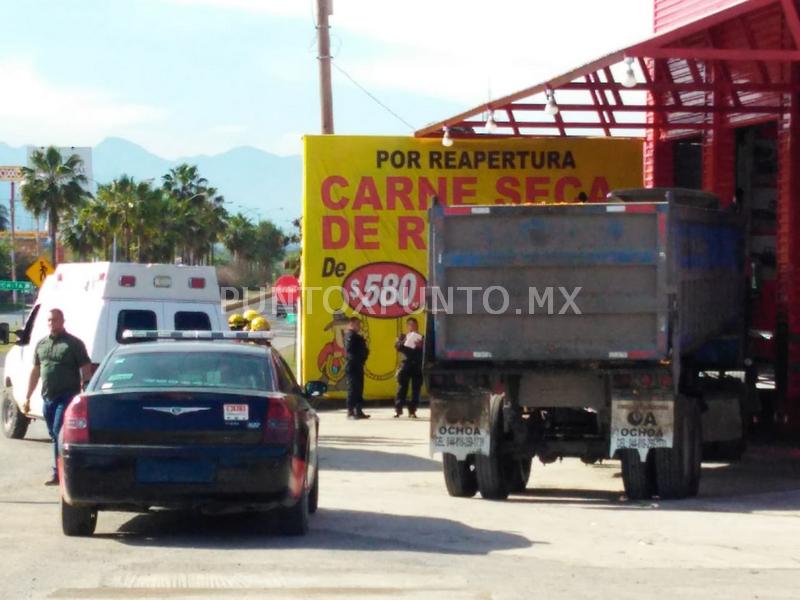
386 528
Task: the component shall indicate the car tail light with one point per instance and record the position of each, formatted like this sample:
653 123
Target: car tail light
76 421
162 281
279 424
127 281
197 283
646 380
666 381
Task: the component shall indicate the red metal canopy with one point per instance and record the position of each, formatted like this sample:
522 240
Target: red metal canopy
731 66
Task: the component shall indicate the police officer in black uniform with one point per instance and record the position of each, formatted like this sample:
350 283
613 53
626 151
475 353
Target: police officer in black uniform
410 346
356 351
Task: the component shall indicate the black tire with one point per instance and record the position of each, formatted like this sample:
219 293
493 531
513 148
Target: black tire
459 476
697 448
313 495
638 477
518 474
294 520
15 424
675 467
77 520
492 470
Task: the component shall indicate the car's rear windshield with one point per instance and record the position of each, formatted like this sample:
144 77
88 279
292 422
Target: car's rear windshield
186 370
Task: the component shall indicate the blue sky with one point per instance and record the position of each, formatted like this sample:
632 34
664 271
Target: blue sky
185 77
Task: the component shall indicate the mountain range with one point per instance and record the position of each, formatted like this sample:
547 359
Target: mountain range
259 184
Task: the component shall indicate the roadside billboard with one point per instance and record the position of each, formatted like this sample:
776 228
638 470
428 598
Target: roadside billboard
365 233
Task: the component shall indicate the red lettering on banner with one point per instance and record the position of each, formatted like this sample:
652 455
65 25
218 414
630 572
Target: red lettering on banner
563 183
600 189
365 226
367 194
399 189
327 199
532 190
427 191
335 232
461 191
410 229
507 188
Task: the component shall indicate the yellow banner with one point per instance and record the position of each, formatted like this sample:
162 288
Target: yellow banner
365 225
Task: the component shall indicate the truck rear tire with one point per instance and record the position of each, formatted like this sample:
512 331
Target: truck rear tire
677 468
492 470
638 477
459 476
519 473
15 424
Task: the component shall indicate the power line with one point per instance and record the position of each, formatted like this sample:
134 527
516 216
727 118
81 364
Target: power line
373 97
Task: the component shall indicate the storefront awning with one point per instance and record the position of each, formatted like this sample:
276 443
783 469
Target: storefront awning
735 62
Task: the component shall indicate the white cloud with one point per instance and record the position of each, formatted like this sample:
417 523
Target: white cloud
34 110
285 8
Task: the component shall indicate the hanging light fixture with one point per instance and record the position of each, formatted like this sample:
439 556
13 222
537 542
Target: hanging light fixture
551 108
447 141
629 80
491 124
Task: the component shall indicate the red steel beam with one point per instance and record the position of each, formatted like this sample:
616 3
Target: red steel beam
753 43
597 104
688 87
792 20
581 125
669 108
740 54
512 120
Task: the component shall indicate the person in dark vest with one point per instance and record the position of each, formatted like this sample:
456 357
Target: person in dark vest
356 352
409 345
63 364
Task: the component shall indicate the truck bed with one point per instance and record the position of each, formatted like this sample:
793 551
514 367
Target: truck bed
599 282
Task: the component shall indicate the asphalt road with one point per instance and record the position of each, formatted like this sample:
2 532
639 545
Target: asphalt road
386 528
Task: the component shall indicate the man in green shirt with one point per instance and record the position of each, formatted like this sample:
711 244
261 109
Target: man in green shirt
64 366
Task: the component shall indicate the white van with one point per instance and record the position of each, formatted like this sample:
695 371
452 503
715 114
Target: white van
100 301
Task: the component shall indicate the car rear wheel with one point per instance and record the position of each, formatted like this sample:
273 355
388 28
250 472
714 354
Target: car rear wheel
15 424
294 520
459 476
313 496
77 520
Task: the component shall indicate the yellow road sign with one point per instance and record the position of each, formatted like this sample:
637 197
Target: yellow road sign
40 269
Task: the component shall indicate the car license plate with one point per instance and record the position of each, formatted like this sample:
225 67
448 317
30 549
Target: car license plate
236 412
152 470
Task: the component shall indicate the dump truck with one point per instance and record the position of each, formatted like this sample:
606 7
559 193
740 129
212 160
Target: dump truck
610 330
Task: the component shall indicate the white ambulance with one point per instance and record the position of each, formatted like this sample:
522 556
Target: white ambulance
99 301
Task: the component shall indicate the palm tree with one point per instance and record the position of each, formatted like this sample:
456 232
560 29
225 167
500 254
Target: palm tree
240 236
4 222
54 188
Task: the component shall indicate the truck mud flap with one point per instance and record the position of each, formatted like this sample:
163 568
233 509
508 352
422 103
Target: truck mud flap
460 426
641 423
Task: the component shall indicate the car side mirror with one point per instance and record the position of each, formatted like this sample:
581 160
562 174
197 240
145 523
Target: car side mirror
21 339
315 389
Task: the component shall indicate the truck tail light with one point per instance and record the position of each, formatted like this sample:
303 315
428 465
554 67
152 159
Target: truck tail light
279 424
76 421
127 281
197 283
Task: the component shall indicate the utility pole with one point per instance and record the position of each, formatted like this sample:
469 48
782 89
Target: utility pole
324 10
13 243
